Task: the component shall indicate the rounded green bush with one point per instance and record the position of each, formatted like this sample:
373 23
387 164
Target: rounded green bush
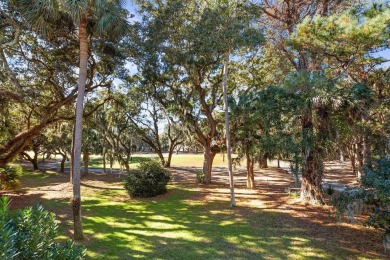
150 179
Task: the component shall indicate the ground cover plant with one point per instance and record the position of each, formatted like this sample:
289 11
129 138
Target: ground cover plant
30 234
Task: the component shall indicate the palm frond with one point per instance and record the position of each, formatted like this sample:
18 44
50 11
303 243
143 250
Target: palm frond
114 19
75 8
38 13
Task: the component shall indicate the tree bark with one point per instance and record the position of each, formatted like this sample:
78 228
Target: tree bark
227 129
35 161
367 152
76 201
104 159
208 156
359 157
161 156
72 159
169 159
62 169
250 162
111 159
351 155
126 162
311 189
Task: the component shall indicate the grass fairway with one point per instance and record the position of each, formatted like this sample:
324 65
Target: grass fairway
178 160
195 222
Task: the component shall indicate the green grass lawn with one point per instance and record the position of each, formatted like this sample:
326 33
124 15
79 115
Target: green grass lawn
178 160
183 224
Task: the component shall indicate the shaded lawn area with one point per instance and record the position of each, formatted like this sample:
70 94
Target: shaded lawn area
196 222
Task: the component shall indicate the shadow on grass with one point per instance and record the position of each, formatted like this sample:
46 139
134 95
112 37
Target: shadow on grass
100 188
173 228
190 224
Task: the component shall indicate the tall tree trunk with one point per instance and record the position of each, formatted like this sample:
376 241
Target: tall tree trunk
62 169
126 161
227 129
311 189
111 159
76 201
104 159
359 157
72 159
250 163
34 161
367 152
351 154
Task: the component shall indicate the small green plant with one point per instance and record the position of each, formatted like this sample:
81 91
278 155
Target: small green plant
330 190
9 177
150 179
30 234
293 193
199 176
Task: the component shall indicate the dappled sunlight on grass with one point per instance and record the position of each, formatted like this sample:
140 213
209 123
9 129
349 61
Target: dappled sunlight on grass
196 221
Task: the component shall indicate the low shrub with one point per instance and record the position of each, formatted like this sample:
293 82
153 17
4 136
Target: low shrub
374 194
9 177
199 176
30 234
150 179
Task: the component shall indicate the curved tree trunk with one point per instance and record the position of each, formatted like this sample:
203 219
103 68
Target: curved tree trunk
76 200
33 160
161 156
169 159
